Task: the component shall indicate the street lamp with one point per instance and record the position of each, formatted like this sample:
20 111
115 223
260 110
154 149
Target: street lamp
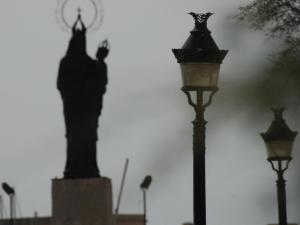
200 60
279 143
144 186
10 191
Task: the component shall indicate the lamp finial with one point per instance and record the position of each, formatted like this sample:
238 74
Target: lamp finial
200 19
278 112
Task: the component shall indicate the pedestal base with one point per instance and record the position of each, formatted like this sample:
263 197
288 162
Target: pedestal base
278 224
82 201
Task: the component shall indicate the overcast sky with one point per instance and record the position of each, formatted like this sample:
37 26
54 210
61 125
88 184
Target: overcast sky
146 117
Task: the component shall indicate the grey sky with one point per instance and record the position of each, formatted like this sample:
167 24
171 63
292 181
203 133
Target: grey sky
145 117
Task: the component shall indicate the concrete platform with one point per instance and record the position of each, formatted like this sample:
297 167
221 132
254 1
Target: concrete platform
82 201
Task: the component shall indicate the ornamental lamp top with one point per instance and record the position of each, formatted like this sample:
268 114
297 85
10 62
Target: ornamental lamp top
279 130
279 138
200 47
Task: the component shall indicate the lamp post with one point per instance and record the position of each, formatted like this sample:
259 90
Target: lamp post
200 60
10 191
144 186
279 143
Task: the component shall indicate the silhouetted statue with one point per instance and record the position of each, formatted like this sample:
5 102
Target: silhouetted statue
82 84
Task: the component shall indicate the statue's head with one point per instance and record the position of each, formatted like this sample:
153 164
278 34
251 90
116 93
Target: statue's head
103 50
77 44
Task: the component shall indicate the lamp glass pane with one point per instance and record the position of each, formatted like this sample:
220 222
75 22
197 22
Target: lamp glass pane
279 149
200 74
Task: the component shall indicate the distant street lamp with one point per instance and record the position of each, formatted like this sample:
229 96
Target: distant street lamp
200 60
279 141
144 186
10 191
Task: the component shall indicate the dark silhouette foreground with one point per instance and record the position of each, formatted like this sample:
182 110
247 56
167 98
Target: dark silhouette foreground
81 82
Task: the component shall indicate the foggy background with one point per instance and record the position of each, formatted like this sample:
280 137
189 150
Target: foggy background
146 117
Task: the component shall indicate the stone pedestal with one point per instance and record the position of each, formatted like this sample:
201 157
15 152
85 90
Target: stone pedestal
278 224
82 201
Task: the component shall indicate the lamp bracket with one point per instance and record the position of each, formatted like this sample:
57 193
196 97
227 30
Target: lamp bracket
190 101
214 91
280 170
194 105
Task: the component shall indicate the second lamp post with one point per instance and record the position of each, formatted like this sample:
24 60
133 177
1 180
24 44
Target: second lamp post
279 141
200 60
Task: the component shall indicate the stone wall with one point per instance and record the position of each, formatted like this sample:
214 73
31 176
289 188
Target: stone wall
123 219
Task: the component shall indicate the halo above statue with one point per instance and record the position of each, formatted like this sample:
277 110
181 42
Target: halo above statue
91 13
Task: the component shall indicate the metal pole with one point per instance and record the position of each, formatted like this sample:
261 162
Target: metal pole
199 163
281 196
121 188
199 153
145 205
11 198
1 205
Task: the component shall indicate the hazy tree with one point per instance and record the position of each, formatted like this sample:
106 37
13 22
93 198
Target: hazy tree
279 20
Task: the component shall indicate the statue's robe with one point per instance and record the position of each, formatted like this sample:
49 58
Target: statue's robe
81 82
